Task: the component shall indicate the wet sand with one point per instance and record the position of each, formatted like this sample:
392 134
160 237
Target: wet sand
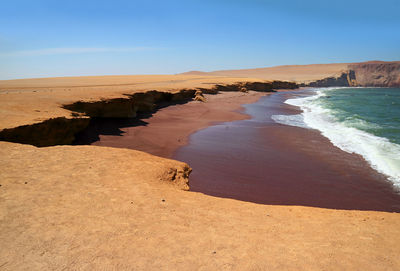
163 132
255 159
261 161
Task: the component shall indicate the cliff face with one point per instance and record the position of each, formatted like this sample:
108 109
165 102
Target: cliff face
346 79
377 74
370 74
56 131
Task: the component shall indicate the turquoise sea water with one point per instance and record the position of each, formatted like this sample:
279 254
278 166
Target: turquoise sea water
373 110
365 121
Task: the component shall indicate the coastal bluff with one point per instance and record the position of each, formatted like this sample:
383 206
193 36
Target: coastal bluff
51 111
376 74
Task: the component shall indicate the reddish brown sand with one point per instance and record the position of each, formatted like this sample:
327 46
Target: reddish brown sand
168 129
260 161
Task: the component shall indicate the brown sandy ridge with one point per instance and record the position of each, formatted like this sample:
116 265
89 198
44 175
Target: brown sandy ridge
91 208
370 73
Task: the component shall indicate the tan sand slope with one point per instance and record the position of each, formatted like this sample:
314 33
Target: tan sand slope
304 73
97 208
298 73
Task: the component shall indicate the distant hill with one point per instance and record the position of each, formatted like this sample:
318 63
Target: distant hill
372 73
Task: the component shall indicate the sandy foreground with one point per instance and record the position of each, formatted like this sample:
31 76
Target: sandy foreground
99 208
102 208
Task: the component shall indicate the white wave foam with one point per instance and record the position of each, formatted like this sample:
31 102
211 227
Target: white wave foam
292 120
380 153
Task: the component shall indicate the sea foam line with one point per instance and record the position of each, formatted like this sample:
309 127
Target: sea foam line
379 152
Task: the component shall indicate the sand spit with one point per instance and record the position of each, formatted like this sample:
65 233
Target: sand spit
90 208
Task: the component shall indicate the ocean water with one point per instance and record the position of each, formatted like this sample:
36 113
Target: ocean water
365 121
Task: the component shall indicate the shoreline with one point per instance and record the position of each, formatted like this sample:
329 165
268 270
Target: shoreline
169 132
261 161
376 146
168 129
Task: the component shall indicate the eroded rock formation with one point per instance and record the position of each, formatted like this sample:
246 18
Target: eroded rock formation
377 74
369 74
346 79
177 176
57 131
198 96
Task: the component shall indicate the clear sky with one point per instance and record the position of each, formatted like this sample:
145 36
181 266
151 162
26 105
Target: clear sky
43 38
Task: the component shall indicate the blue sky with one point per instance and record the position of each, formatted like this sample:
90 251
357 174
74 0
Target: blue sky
42 38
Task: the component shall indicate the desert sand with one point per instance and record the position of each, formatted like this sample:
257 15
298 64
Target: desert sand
299 73
91 207
371 73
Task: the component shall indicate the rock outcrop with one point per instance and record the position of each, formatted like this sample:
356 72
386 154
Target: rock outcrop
198 96
377 74
177 176
346 79
369 74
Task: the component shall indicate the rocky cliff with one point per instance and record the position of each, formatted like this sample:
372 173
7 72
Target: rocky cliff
377 74
368 74
343 80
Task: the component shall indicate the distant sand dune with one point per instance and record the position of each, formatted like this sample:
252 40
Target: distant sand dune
297 73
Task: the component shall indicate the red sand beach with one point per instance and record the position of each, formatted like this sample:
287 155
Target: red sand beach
169 128
260 161
256 160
